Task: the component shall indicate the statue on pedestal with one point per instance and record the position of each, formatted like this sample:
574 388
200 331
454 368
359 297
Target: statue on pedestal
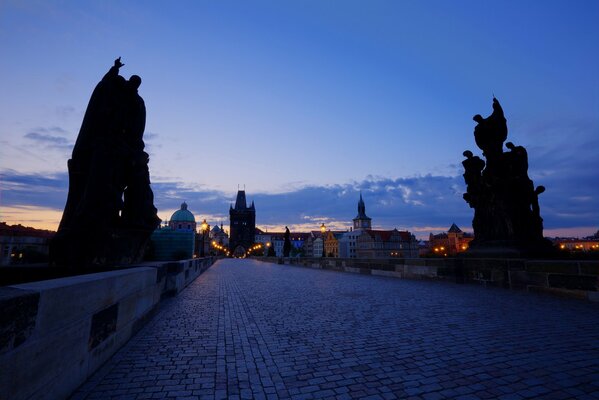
507 220
109 214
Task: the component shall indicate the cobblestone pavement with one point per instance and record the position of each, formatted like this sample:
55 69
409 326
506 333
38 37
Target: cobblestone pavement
246 329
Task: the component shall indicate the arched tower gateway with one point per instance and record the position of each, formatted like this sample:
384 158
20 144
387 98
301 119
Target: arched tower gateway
362 221
243 225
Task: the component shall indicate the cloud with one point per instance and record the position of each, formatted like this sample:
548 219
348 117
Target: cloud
40 190
405 202
421 204
50 138
65 112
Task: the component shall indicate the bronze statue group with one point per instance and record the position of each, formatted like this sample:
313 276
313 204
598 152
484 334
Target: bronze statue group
109 214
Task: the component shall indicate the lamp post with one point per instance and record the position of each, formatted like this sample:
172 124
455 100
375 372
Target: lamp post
203 229
323 229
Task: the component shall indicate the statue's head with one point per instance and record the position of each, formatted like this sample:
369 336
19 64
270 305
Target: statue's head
135 81
468 154
478 118
510 145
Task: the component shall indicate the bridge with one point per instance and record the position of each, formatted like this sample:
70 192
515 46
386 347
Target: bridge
248 329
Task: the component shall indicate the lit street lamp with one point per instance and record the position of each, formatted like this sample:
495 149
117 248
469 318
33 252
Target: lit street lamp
323 229
203 229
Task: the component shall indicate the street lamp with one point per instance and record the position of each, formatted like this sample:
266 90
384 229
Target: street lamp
323 229
203 229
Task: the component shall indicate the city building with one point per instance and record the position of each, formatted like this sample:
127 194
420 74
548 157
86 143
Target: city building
348 241
243 225
20 244
577 245
202 240
219 235
449 243
176 240
362 221
386 244
263 238
331 243
308 245
168 244
183 220
278 241
317 246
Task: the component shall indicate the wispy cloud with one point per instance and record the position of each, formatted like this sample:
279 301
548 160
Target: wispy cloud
40 190
53 137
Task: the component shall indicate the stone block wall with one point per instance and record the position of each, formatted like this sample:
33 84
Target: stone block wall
54 334
570 278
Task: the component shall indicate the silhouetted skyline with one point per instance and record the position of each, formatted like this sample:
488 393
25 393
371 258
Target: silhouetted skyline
307 104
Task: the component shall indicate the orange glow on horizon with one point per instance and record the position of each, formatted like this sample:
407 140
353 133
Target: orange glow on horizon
31 216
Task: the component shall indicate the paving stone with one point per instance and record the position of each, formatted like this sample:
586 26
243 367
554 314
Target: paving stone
246 329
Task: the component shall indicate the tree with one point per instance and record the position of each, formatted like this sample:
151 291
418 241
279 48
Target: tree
287 244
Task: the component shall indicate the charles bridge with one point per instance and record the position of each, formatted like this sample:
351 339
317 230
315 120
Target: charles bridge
245 329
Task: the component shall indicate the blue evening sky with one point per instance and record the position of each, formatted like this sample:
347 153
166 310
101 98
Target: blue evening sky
307 103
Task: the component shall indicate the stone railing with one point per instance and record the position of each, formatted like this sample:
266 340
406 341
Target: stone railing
571 278
54 334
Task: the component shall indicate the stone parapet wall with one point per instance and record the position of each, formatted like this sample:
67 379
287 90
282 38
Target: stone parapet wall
54 334
570 278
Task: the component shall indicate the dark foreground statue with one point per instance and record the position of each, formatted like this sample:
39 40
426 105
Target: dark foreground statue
507 220
110 214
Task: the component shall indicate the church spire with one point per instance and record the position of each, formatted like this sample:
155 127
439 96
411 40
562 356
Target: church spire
361 207
362 221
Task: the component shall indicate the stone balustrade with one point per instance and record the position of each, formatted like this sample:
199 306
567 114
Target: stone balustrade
55 333
570 278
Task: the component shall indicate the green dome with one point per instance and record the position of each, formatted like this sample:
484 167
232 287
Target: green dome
183 215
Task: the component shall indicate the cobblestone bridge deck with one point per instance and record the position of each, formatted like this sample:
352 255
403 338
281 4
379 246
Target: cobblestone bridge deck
246 329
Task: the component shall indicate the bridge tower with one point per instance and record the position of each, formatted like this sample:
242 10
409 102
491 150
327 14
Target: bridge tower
243 225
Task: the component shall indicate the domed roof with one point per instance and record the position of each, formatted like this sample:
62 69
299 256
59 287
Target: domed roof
183 215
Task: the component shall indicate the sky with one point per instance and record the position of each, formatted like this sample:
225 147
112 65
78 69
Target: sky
307 104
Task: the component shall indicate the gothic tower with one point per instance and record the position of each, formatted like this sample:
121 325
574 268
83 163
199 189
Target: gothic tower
243 225
362 221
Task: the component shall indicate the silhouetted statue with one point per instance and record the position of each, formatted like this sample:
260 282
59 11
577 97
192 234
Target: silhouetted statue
286 243
110 214
507 218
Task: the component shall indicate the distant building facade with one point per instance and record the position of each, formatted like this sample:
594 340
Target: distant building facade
243 225
452 242
264 238
348 242
219 235
589 244
317 246
386 244
331 243
177 239
20 244
183 220
362 221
